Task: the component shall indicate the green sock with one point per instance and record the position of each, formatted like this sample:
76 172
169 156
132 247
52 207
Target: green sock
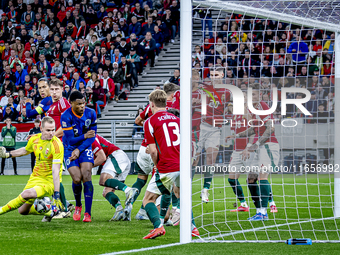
113 183
207 180
62 196
255 194
192 219
174 199
178 203
153 214
139 184
113 199
165 202
237 188
142 207
271 199
265 191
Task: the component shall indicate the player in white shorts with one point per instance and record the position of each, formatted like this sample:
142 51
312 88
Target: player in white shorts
144 164
268 154
238 164
115 169
162 133
210 128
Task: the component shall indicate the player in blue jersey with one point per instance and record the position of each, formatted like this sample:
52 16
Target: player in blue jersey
79 123
46 102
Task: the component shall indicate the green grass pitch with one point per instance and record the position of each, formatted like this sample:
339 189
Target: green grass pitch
28 235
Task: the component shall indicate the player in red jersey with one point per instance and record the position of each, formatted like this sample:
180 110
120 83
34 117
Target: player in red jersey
210 128
162 134
268 153
59 105
196 121
144 164
238 165
116 166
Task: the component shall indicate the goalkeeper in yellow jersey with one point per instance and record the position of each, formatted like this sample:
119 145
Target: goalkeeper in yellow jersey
45 179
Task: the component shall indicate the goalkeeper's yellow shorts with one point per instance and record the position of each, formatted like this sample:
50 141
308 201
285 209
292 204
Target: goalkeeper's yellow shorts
42 187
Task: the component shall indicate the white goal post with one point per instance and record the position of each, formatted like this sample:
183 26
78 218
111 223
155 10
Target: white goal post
312 14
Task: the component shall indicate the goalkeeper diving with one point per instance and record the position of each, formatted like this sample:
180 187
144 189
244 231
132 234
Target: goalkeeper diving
45 179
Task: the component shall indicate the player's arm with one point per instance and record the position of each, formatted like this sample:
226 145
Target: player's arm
59 133
13 154
139 121
57 162
68 131
153 153
88 142
100 158
40 109
266 135
56 176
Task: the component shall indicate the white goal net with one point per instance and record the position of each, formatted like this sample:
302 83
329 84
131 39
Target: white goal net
281 50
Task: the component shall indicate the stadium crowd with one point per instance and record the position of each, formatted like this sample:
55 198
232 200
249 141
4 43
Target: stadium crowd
96 47
274 54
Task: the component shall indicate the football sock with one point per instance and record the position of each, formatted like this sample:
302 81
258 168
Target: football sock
237 188
62 196
207 180
88 194
255 194
174 199
115 184
192 219
34 212
13 204
153 215
265 191
271 199
77 188
165 202
178 203
139 184
113 199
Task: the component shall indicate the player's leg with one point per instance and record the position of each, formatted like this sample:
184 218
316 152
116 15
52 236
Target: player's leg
20 200
272 204
42 189
144 166
153 214
236 164
77 189
212 153
254 190
86 172
160 184
264 192
177 212
268 159
212 145
3 161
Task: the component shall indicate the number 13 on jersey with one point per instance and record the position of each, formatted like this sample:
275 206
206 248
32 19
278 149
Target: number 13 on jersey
173 127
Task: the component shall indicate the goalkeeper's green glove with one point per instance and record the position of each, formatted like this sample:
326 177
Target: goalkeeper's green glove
57 202
4 153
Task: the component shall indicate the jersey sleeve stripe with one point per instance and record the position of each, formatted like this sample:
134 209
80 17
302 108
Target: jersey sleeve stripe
69 128
56 147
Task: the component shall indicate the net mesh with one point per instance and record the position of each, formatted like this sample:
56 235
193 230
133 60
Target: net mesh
253 48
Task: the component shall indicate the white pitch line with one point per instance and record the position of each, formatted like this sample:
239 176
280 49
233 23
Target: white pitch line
144 249
265 227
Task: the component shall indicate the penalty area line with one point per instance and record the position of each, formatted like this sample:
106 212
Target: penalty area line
144 249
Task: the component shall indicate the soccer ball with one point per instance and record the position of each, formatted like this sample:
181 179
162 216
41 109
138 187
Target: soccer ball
42 205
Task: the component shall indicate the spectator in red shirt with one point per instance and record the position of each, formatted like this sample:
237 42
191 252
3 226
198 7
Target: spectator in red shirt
108 85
